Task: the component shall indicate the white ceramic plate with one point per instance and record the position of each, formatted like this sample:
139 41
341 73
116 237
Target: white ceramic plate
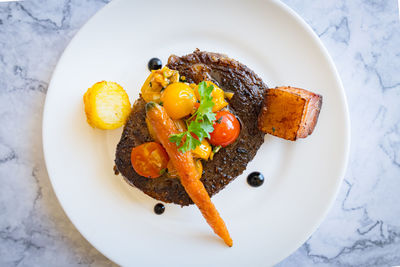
266 223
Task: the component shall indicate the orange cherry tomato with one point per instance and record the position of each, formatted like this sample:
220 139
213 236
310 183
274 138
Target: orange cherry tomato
149 159
178 100
226 129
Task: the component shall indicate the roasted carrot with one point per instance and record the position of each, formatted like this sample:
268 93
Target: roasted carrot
185 166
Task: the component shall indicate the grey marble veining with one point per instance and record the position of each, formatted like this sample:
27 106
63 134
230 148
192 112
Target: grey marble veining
362 228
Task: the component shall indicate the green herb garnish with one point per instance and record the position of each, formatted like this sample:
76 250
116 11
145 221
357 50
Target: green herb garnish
200 124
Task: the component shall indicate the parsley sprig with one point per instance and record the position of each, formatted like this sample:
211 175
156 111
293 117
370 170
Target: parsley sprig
200 124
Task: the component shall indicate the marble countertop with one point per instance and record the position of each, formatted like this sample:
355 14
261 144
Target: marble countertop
362 228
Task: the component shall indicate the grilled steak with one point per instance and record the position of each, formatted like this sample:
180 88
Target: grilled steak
229 162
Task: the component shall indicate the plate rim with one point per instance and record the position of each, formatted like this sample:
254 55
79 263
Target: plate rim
315 38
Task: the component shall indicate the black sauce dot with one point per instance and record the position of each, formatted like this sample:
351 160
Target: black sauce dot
159 208
255 179
154 64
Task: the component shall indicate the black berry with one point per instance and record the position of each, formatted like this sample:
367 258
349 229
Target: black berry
255 179
159 208
154 64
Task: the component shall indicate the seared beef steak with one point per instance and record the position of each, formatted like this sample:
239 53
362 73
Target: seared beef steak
229 162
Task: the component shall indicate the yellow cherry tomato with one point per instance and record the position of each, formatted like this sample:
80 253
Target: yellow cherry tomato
229 95
218 96
202 151
178 100
218 99
156 81
151 90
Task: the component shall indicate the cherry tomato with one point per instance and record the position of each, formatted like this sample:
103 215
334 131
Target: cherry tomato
226 129
149 159
218 96
178 100
203 150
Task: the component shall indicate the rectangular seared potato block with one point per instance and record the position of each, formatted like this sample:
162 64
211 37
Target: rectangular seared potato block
289 112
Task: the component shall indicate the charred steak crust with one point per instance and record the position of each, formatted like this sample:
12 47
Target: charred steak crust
229 162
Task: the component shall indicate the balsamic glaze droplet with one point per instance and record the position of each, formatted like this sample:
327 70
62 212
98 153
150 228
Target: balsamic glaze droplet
154 64
159 208
255 179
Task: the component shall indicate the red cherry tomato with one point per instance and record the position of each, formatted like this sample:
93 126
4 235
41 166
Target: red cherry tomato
149 159
226 129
